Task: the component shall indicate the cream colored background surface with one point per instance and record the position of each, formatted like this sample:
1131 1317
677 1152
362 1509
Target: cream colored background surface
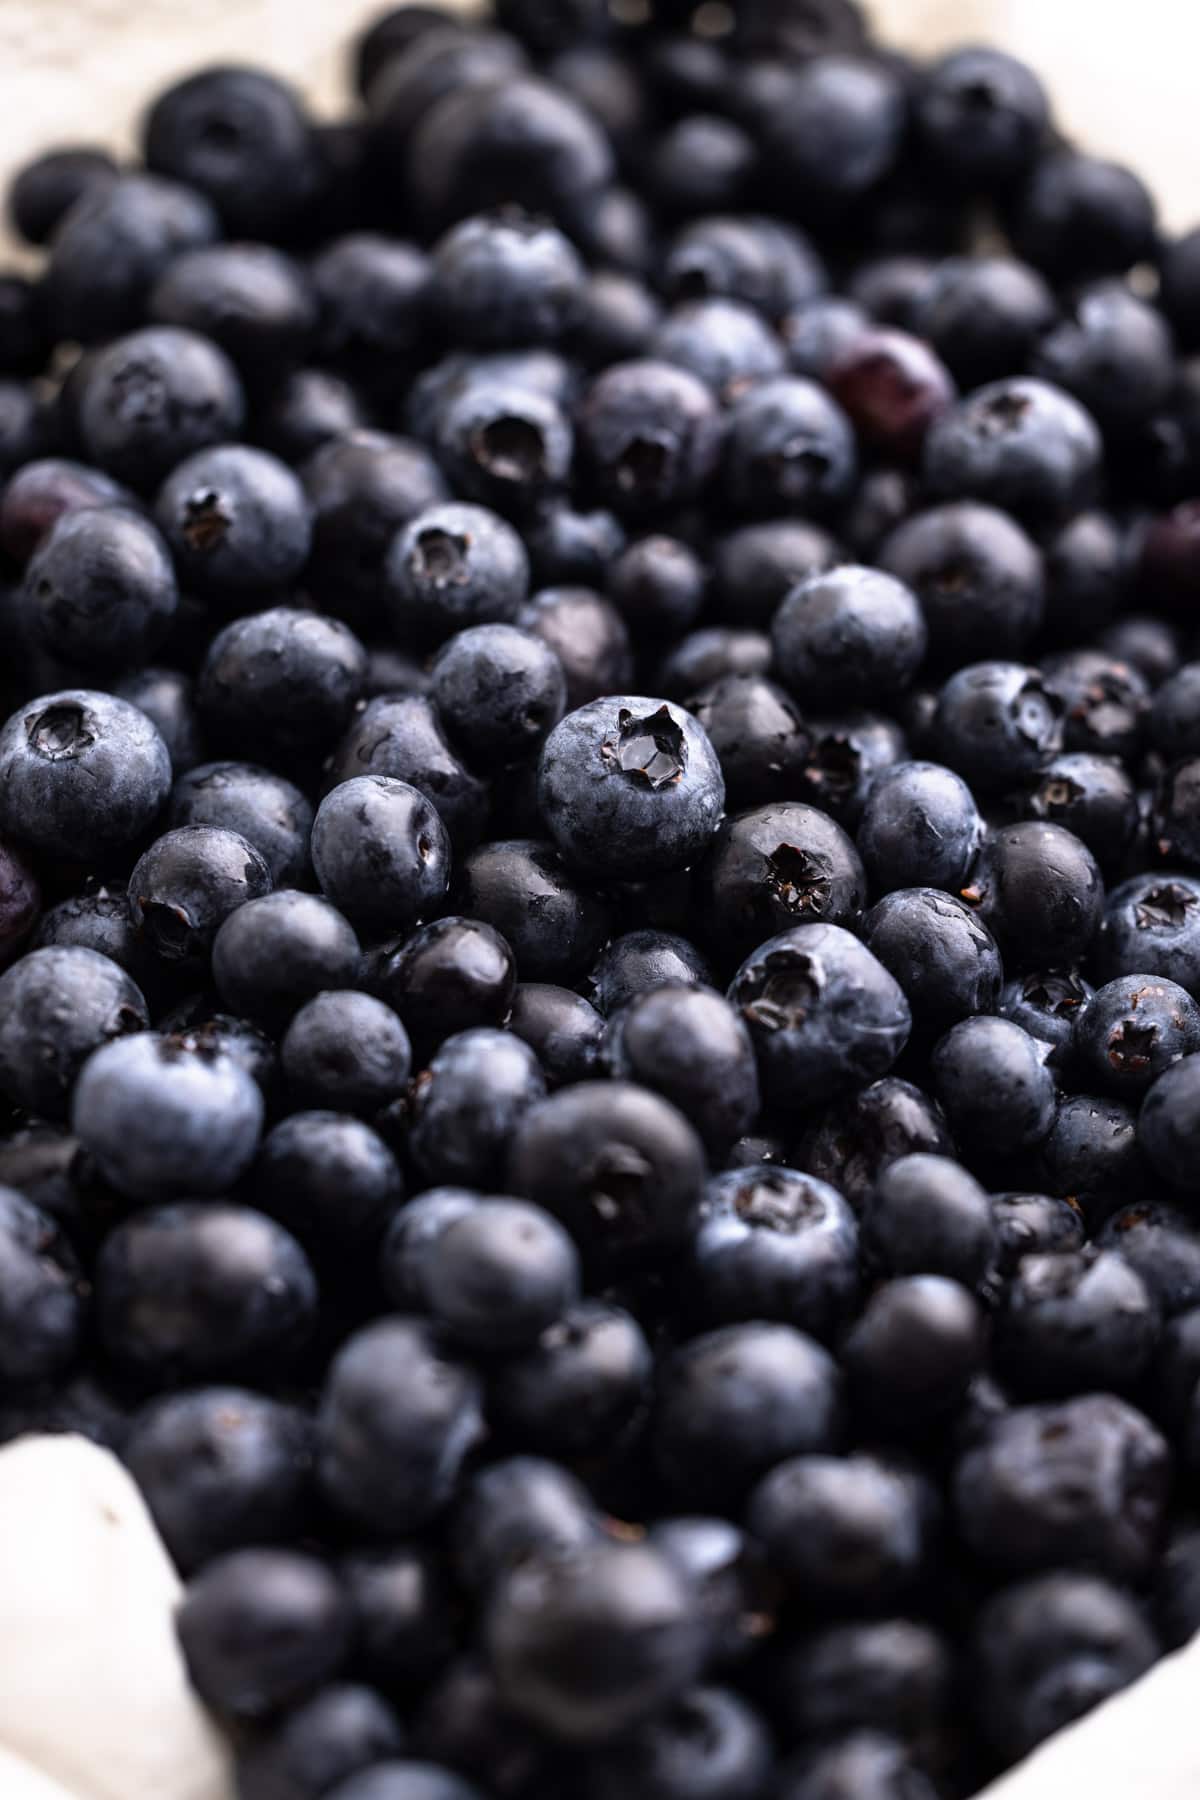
1123 77
100 1707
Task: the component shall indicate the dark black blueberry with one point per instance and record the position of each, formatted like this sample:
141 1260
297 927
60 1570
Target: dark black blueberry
57 1005
997 723
943 956
1049 1005
240 137
280 685
1080 216
711 653
1034 1225
773 867
582 1381
928 1216
504 279
888 1674
154 397
688 1044
468 1102
261 1629
306 409
659 585
253 301
111 246
1151 925
617 1163
319 1744
831 131
983 315
44 190
1134 1028
650 435
562 1029
264 808
978 578
381 852
789 448
497 1276
862 1762
993 1080
587 1644
1021 444
188 883
824 1013
1091 796
237 520
41 492
1161 1243
221 1468
1048 1650
855 1139
772 1243
330 1180
1075 1321
709 1745
400 737
919 827
1040 891
397 1418
852 635
451 974
589 637
982 118
1077 1481
846 751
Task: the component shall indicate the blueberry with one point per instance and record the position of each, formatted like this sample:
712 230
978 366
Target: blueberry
629 783
855 1139
331 1180
1091 796
262 1628
639 961
403 1623
100 590
203 1291
734 1402
770 1243
275 953
711 653
553 920
823 1012
688 1044
1021 444
919 827
188 883
834 130
1048 1650
503 280
851 635
943 956
450 975
869 1763
167 698
237 520
220 1469
43 1311
401 736
659 584
587 634
1048 1005
982 118
504 443
709 1745
577 1388
1151 925
393 1780
380 851
266 809
45 189
650 434
154 397
42 492
756 566
1080 1480
846 751
345 1051
1032 1225
397 1418
401 88
166 1115
892 387
322 1742
1161 1244
1075 1320
619 1165
588 1644
254 302
913 1350
499 690
756 731
1080 216
1169 1121
761 262
307 409
928 1216
450 567
240 137
81 774
789 448
562 1029
519 1508
110 246
1134 1028
469 1102
1037 885
978 577
280 685
998 723
1113 352
992 1078
362 486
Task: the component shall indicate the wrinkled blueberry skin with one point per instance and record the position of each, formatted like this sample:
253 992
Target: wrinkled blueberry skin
628 781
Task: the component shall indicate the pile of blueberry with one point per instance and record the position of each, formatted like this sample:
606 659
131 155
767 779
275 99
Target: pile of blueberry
600 901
